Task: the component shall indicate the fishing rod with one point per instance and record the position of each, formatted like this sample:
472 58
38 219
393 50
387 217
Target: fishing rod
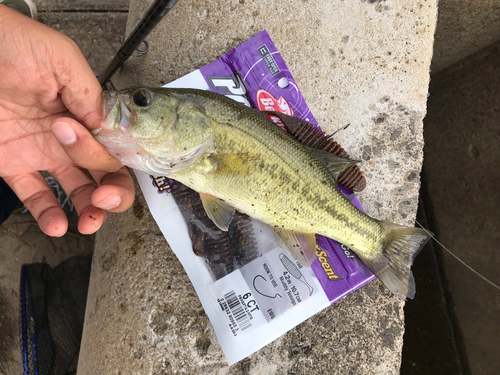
152 17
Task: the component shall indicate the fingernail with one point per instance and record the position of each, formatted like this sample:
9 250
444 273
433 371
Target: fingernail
109 202
64 133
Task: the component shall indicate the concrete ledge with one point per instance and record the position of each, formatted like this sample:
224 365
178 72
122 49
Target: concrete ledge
365 63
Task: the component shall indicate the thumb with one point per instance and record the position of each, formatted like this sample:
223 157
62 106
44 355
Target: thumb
81 147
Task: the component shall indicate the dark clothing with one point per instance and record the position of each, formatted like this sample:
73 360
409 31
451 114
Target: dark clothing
8 201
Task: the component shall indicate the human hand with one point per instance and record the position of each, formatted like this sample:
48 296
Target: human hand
47 91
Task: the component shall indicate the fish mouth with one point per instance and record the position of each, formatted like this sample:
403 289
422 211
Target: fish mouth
109 99
115 113
111 113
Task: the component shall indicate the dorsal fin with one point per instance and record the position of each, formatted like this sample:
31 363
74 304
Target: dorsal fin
335 164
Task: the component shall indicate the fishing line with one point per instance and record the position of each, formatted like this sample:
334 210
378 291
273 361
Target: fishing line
342 128
457 258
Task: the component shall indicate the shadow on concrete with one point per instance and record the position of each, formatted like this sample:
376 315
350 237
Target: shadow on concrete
452 326
432 341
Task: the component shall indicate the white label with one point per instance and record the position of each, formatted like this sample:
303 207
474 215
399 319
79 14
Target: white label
239 309
262 290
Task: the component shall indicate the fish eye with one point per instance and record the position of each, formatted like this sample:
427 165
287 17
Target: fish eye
142 98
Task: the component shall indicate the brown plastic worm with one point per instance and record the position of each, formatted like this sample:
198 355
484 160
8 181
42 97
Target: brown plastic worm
223 251
312 136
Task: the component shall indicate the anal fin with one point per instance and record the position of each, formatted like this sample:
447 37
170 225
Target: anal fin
301 245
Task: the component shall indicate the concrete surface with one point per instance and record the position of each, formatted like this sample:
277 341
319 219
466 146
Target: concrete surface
98 46
20 239
464 27
462 165
104 6
364 63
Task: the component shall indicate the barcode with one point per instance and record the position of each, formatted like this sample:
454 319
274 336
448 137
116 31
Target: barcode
237 310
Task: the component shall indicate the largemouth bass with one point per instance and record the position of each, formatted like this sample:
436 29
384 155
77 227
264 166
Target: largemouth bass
239 160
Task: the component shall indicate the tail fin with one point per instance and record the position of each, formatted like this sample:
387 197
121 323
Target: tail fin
391 264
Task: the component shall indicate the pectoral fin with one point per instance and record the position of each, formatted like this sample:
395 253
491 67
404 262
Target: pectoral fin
218 210
335 164
235 164
301 245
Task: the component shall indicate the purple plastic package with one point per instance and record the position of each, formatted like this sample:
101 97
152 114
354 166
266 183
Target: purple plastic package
259 76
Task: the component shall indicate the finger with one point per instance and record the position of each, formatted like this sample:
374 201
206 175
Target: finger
81 147
91 219
79 186
116 192
55 53
37 196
